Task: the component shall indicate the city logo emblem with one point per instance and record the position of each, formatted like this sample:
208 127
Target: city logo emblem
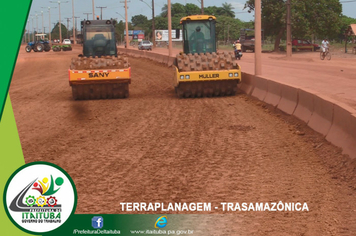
39 197
97 222
161 222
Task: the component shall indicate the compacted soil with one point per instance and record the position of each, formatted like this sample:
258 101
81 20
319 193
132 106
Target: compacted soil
154 147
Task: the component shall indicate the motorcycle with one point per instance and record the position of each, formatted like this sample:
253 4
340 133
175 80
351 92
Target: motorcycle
238 53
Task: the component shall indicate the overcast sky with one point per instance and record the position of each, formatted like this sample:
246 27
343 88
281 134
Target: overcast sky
136 7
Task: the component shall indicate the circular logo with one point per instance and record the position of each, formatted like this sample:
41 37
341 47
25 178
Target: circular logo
39 197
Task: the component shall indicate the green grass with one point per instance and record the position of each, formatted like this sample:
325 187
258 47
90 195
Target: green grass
342 46
268 47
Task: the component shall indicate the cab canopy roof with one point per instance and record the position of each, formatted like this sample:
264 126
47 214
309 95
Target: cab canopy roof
97 22
351 30
197 17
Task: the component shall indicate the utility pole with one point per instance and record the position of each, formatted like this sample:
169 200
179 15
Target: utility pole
93 10
169 28
42 22
49 26
33 31
74 26
24 38
153 21
28 31
126 25
202 7
153 24
289 31
54 25
68 19
101 12
25 33
75 33
87 15
49 22
37 23
258 48
59 23
33 39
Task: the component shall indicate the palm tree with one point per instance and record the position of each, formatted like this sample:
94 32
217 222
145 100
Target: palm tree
227 9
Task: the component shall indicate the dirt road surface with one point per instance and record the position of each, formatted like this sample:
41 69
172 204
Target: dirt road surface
335 78
154 147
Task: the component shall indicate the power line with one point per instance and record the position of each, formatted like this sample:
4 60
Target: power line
101 12
87 15
68 19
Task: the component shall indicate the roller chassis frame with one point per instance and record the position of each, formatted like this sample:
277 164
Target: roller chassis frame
210 83
88 84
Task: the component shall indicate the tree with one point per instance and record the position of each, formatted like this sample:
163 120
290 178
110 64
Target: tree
164 10
192 9
227 10
309 18
180 10
55 31
120 29
345 22
139 20
161 22
212 10
228 28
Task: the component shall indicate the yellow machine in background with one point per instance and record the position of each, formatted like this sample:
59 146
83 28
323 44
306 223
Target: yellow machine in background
200 69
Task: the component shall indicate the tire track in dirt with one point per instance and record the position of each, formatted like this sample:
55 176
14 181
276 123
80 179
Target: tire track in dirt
155 147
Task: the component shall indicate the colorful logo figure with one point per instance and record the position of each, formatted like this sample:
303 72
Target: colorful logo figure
46 190
97 222
161 222
43 204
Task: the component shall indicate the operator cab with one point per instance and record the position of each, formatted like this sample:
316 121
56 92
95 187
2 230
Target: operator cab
99 38
199 34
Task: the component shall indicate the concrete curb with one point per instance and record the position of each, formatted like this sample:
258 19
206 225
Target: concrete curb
343 130
305 107
247 85
260 88
322 117
274 91
289 99
335 121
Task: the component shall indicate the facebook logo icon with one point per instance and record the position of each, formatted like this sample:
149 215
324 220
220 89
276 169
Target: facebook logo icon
97 222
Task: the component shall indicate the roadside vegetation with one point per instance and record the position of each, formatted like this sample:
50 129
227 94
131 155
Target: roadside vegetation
311 20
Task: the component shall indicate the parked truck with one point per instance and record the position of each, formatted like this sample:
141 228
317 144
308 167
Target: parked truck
247 39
